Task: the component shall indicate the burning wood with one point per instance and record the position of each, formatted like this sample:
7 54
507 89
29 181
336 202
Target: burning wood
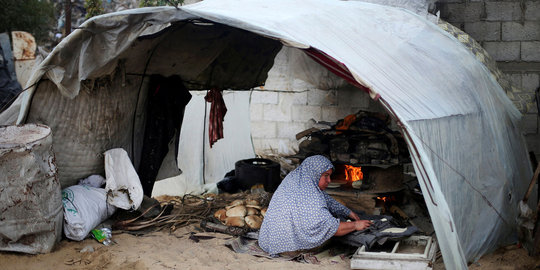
353 174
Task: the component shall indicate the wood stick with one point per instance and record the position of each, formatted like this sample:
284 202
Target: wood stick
533 182
304 133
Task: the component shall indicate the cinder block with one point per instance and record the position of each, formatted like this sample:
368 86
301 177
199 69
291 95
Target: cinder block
330 113
529 124
321 97
352 97
484 31
454 1
264 97
263 129
263 146
503 11
300 98
517 31
503 51
530 50
515 80
256 111
530 82
532 10
279 112
288 130
462 12
274 146
304 113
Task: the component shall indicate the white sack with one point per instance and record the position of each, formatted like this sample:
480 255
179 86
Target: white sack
85 207
94 180
124 189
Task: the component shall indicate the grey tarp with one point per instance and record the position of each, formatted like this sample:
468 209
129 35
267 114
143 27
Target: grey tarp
461 128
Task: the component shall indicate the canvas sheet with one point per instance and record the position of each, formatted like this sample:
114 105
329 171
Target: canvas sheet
434 87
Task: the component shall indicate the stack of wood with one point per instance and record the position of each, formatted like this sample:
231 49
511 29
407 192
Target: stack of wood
358 139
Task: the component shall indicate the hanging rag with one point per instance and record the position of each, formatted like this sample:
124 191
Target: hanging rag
167 99
217 115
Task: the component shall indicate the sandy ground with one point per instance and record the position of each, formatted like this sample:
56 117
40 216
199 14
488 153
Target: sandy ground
162 250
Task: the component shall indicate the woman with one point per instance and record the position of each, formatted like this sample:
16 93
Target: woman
301 216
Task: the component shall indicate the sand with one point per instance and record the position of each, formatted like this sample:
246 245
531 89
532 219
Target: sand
158 250
162 250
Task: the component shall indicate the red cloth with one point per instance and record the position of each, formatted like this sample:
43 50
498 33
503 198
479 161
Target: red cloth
334 66
217 114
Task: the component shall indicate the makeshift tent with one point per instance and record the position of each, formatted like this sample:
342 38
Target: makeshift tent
461 129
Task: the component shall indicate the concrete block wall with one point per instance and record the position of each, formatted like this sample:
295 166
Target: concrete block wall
277 116
509 30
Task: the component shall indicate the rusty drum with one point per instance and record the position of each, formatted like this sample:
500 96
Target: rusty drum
30 198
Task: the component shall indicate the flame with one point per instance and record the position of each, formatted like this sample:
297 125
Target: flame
353 173
387 198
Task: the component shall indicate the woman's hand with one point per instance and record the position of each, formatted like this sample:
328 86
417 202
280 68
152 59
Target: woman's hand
347 227
354 216
362 224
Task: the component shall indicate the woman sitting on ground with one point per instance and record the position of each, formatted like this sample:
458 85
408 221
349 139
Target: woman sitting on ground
301 216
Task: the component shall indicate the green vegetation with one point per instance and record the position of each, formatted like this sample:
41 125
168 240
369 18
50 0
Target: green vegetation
33 16
93 8
155 3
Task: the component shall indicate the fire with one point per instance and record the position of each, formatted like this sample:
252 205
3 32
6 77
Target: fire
384 199
353 173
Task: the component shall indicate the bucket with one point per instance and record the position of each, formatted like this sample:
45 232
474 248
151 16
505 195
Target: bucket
254 171
30 198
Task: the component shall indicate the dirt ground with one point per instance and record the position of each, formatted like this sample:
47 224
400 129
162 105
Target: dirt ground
162 250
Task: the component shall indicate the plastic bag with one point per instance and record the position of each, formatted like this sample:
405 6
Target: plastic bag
124 189
85 207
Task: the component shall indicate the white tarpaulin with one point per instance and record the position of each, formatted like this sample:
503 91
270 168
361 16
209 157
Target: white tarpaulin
195 150
461 129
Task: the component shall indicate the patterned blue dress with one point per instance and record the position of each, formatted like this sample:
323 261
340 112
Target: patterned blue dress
300 215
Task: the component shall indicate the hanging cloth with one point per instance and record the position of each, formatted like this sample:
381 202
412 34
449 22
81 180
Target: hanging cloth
217 115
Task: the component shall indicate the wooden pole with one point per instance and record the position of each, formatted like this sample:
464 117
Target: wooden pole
67 10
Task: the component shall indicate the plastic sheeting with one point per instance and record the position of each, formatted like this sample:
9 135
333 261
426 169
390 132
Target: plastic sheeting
439 93
446 101
194 148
